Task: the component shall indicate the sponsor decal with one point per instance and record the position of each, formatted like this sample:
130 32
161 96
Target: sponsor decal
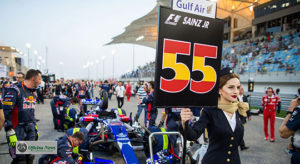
7 103
198 7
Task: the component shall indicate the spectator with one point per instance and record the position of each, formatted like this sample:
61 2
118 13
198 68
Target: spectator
298 52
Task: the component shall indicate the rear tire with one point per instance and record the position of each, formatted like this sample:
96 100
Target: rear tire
104 99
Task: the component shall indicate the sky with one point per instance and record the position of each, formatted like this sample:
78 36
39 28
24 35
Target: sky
75 31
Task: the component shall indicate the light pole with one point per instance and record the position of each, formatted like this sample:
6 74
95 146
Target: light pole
35 52
97 62
43 62
28 47
103 57
46 59
61 63
91 64
39 63
113 54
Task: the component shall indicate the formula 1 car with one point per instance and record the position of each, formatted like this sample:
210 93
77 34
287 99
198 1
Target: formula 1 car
111 132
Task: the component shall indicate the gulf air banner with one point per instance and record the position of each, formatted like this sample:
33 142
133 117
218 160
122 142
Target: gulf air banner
188 59
199 7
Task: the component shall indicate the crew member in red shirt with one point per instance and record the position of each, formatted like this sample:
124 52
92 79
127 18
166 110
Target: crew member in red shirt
128 90
269 103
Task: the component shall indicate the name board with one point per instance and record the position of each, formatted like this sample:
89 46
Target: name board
188 59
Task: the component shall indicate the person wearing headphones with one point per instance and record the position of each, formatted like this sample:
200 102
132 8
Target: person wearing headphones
269 103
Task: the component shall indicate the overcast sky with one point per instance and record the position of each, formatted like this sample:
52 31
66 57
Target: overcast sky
74 32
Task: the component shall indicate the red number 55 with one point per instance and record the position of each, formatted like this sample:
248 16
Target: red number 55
182 73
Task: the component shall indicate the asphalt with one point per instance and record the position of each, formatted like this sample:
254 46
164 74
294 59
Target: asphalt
260 152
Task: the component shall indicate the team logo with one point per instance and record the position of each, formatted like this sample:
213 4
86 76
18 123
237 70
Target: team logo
22 147
173 19
121 135
30 99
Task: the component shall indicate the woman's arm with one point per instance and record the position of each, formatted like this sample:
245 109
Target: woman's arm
2 119
195 131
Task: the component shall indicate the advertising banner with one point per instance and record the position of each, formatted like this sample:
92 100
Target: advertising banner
198 7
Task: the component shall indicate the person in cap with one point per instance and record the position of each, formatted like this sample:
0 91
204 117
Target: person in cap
225 130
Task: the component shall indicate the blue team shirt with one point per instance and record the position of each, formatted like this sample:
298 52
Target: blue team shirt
294 125
106 87
294 122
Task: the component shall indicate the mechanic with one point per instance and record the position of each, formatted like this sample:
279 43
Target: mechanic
20 77
151 110
172 117
70 117
82 148
58 106
291 127
128 90
82 93
269 103
105 87
19 105
65 147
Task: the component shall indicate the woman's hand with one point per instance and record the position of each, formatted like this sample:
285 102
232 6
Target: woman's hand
185 115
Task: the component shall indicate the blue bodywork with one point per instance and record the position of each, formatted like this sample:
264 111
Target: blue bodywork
100 161
120 133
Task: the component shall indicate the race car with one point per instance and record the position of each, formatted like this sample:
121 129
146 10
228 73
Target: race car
108 132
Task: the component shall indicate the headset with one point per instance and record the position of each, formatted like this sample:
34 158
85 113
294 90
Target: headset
270 88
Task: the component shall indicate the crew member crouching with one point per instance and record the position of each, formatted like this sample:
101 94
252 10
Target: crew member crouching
65 153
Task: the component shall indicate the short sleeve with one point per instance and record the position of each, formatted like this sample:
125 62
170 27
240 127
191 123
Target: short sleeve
294 122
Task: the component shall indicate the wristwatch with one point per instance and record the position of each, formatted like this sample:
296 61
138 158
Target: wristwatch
288 112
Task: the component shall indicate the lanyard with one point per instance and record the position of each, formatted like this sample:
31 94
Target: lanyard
24 90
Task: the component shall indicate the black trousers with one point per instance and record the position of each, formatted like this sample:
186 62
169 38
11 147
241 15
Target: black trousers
40 94
279 107
120 101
